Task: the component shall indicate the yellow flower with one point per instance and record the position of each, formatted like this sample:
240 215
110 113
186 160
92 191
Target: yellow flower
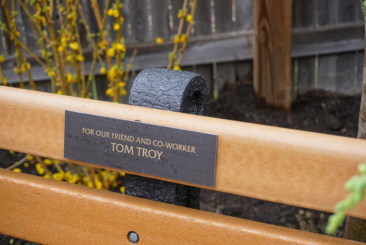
110 12
47 161
28 66
121 47
57 161
109 92
80 58
30 157
189 18
89 184
116 27
16 71
18 170
183 38
102 70
59 92
111 52
47 176
26 165
116 13
51 74
99 184
114 184
74 46
177 68
122 92
40 169
122 174
69 77
4 81
60 49
2 58
159 40
176 39
122 189
121 84
69 58
103 44
59 176
64 40
180 14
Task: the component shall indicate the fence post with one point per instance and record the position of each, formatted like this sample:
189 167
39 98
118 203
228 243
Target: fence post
177 91
272 53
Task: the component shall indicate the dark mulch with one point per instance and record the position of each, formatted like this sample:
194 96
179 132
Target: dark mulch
316 111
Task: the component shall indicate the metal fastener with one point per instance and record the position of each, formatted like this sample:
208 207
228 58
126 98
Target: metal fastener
133 237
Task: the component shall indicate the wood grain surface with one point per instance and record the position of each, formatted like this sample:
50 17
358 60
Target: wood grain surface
270 163
272 53
52 212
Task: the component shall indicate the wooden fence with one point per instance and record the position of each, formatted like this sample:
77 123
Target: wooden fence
327 48
268 163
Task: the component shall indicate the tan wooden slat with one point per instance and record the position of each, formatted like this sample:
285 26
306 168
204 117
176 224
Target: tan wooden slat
53 212
270 163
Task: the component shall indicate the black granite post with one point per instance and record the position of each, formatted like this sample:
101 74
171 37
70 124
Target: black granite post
178 91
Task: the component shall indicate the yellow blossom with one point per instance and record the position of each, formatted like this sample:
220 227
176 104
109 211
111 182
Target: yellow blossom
109 92
64 40
74 46
40 169
103 44
89 184
177 68
2 58
30 157
189 18
47 161
121 84
116 13
122 174
111 52
99 184
116 27
51 73
26 165
69 58
122 92
59 176
16 71
176 39
110 12
159 40
17 170
47 176
80 58
28 66
60 49
121 47
69 77
114 184
4 81
183 38
102 70
59 92
56 161
122 189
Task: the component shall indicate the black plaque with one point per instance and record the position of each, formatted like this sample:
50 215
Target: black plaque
167 152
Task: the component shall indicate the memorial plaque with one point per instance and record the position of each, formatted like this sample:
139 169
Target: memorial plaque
167 152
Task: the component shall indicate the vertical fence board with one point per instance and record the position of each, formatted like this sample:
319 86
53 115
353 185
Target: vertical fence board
306 74
31 39
223 16
360 61
176 6
304 13
138 14
327 12
294 79
207 72
348 10
44 86
160 18
346 63
225 75
327 72
202 18
244 15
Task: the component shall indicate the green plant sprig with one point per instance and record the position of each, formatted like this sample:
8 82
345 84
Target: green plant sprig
356 188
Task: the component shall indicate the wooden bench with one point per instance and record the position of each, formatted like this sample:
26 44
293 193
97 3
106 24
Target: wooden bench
275 164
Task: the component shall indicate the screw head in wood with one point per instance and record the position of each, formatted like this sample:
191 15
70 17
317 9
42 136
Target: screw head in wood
133 237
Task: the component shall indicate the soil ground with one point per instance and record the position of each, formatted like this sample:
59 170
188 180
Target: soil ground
316 111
